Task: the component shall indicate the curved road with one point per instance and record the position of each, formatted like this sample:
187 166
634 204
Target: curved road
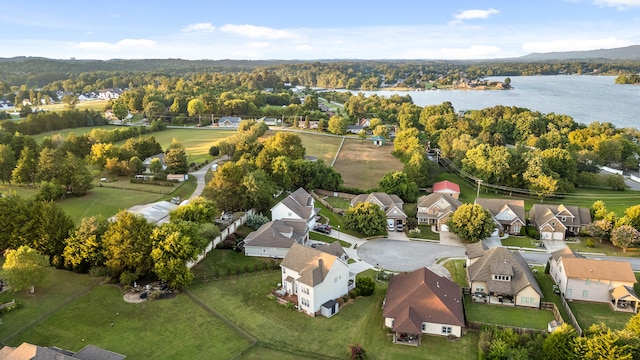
200 175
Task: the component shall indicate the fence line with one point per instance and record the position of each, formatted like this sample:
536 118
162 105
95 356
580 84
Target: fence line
476 325
223 235
572 318
325 203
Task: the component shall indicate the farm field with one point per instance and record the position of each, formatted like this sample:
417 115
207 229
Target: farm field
362 164
322 146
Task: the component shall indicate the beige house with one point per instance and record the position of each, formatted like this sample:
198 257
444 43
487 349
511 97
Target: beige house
390 204
501 276
435 209
275 238
603 281
422 302
509 215
555 222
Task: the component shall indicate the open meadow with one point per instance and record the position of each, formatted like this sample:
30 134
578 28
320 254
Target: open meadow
321 145
362 164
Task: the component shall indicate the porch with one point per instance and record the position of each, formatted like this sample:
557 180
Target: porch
493 299
403 338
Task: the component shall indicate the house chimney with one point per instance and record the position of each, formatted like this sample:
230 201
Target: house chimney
321 264
438 283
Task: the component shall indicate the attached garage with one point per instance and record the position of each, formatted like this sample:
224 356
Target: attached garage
558 236
546 235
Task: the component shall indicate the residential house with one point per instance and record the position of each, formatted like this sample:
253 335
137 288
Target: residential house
390 204
555 222
147 162
354 129
271 121
28 351
298 205
435 209
364 122
156 213
275 238
422 302
501 276
603 281
509 215
314 279
229 122
335 249
448 188
108 94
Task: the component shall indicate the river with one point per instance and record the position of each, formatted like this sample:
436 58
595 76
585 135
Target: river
585 98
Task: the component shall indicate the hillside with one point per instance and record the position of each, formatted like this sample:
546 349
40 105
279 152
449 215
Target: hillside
623 53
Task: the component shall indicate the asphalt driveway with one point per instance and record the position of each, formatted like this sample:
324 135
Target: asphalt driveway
399 255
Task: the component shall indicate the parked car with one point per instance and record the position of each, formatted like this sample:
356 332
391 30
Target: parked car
556 289
391 225
323 228
399 227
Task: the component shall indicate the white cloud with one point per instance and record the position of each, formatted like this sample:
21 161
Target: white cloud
199 27
618 4
258 44
304 47
258 32
474 14
122 45
574 45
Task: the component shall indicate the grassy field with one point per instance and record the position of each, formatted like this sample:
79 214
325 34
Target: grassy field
105 201
507 315
78 131
163 329
244 302
362 164
521 241
337 202
588 314
458 271
322 146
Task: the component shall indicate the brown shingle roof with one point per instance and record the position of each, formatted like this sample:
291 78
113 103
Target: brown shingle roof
498 259
428 201
278 233
422 296
476 249
582 268
334 249
312 265
565 252
496 206
542 213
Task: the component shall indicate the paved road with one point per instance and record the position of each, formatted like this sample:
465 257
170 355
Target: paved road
398 255
201 173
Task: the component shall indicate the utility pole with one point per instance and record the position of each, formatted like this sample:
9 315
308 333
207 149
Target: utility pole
479 181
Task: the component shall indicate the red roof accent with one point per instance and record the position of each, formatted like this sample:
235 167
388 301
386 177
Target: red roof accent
446 186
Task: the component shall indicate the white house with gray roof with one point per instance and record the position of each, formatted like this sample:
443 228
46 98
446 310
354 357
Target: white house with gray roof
501 276
298 205
275 238
554 222
314 279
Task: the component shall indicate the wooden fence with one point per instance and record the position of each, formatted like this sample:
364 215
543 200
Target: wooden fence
323 202
476 325
572 318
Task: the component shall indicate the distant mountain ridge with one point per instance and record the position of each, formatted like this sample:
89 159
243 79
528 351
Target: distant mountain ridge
623 53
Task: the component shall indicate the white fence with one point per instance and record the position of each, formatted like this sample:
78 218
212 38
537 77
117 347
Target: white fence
608 169
223 235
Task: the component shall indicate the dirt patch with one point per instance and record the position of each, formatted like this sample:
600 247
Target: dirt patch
133 297
362 164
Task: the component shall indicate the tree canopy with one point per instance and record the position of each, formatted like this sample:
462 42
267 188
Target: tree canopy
471 223
24 268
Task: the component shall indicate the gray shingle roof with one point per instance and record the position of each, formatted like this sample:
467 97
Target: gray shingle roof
384 200
278 234
499 259
301 203
575 216
496 206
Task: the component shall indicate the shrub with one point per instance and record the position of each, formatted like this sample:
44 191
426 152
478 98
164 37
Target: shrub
98 271
533 232
365 286
214 150
353 293
340 301
345 298
255 221
9 308
127 278
590 243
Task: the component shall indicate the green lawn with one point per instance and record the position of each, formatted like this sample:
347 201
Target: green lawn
458 271
604 248
546 285
322 146
521 241
163 329
507 315
219 261
23 191
425 233
326 238
78 131
244 301
337 202
59 285
104 201
588 314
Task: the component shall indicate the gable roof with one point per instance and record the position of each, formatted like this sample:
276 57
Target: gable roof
300 202
28 351
446 186
311 264
431 199
422 296
502 261
496 206
160 157
334 249
91 352
582 268
543 213
387 202
564 252
278 234
231 119
476 249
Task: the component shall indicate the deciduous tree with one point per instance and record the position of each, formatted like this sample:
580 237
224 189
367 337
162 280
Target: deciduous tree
471 223
83 247
7 163
24 268
337 125
398 183
127 245
625 236
366 218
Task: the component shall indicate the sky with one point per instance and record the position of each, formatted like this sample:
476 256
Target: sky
305 30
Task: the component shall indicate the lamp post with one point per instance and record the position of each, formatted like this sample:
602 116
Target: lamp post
338 233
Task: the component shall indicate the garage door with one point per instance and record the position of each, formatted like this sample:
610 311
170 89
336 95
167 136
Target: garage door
444 227
558 236
546 235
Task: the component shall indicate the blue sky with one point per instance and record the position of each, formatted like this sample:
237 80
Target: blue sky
328 29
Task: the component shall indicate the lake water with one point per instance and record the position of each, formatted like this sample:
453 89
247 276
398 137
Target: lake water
585 98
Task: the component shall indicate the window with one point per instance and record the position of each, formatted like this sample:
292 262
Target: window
446 330
564 218
424 327
527 300
585 293
587 282
305 290
479 288
284 271
304 302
